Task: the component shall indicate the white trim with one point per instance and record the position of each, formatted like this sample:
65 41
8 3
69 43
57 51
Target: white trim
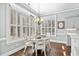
72 9
57 41
13 51
55 24
9 41
28 8
19 9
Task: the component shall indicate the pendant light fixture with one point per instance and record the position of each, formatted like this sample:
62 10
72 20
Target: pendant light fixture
38 19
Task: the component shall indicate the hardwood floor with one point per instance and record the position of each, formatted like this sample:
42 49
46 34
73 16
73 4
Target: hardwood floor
57 49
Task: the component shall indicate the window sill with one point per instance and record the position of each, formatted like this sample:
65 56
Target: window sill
11 41
53 35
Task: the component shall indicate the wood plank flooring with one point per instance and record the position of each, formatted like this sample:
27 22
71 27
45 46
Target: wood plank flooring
57 49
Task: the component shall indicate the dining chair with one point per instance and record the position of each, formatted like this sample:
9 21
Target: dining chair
40 44
48 37
28 43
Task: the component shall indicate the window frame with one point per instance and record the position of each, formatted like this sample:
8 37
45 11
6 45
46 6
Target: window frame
47 27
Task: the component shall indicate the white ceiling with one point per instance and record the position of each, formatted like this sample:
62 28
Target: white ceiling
52 8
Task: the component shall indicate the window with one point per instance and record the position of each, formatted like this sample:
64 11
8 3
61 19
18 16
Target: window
15 28
13 16
28 25
28 31
13 31
24 30
25 24
13 24
48 25
31 25
18 18
18 25
25 18
21 25
18 31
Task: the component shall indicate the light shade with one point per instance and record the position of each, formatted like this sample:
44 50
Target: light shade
38 20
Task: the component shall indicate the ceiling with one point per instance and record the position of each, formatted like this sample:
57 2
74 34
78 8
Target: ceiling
52 8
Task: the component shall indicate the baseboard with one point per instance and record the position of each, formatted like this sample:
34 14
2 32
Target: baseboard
12 51
57 41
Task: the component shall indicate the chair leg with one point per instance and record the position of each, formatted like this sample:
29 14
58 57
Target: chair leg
36 52
41 51
44 52
49 46
24 49
32 49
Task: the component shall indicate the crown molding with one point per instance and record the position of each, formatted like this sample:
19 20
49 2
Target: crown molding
26 7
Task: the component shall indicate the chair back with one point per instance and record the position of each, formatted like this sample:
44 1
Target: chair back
40 43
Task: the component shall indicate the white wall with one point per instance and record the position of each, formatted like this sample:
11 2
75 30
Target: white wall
74 21
2 21
71 19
